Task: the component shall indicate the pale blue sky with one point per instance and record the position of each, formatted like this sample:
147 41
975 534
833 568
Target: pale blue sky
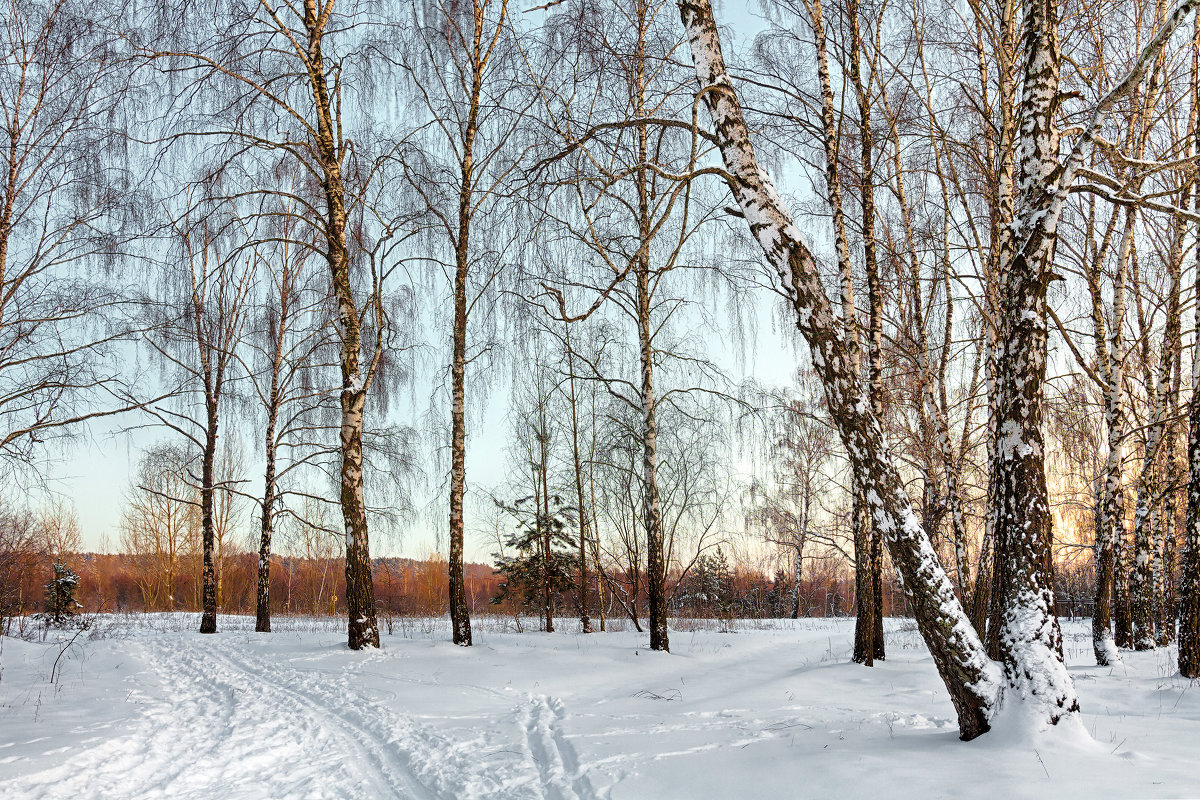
95 474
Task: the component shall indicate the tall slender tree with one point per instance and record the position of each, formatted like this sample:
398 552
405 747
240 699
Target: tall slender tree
196 323
619 168
262 77
461 71
285 352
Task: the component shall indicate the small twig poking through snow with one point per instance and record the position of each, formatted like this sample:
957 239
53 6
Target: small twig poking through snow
783 726
65 648
668 694
1043 763
1118 747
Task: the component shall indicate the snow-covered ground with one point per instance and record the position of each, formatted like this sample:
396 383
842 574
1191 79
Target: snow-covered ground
774 709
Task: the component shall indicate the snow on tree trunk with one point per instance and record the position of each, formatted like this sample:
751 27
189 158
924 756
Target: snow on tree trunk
864 585
865 623
1122 622
970 677
1111 526
989 599
1030 639
1141 580
363 629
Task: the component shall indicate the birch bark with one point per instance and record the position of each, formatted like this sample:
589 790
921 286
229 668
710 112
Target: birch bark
363 629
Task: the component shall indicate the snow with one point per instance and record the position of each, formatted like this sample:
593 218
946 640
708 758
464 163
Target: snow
774 709
1108 646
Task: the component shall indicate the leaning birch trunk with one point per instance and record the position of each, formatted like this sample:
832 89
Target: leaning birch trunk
970 677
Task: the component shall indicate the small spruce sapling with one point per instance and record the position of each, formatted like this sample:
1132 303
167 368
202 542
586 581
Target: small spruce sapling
541 563
60 596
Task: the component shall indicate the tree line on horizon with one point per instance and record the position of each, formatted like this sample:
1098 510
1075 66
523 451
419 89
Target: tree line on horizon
309 585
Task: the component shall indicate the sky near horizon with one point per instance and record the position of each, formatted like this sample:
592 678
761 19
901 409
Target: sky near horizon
95 473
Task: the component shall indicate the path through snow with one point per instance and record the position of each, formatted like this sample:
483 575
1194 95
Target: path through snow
161 713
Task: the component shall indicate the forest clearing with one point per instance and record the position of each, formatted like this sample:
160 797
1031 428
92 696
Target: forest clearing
344 343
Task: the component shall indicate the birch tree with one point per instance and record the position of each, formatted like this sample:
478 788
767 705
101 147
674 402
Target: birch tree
286 349
786 509
197 322
277 78
1189 577
159 523
1030 640
1189 580
970 677
837 129
460 70
621 192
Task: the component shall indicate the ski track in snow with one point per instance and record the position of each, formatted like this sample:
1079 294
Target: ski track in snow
555 758
229 723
